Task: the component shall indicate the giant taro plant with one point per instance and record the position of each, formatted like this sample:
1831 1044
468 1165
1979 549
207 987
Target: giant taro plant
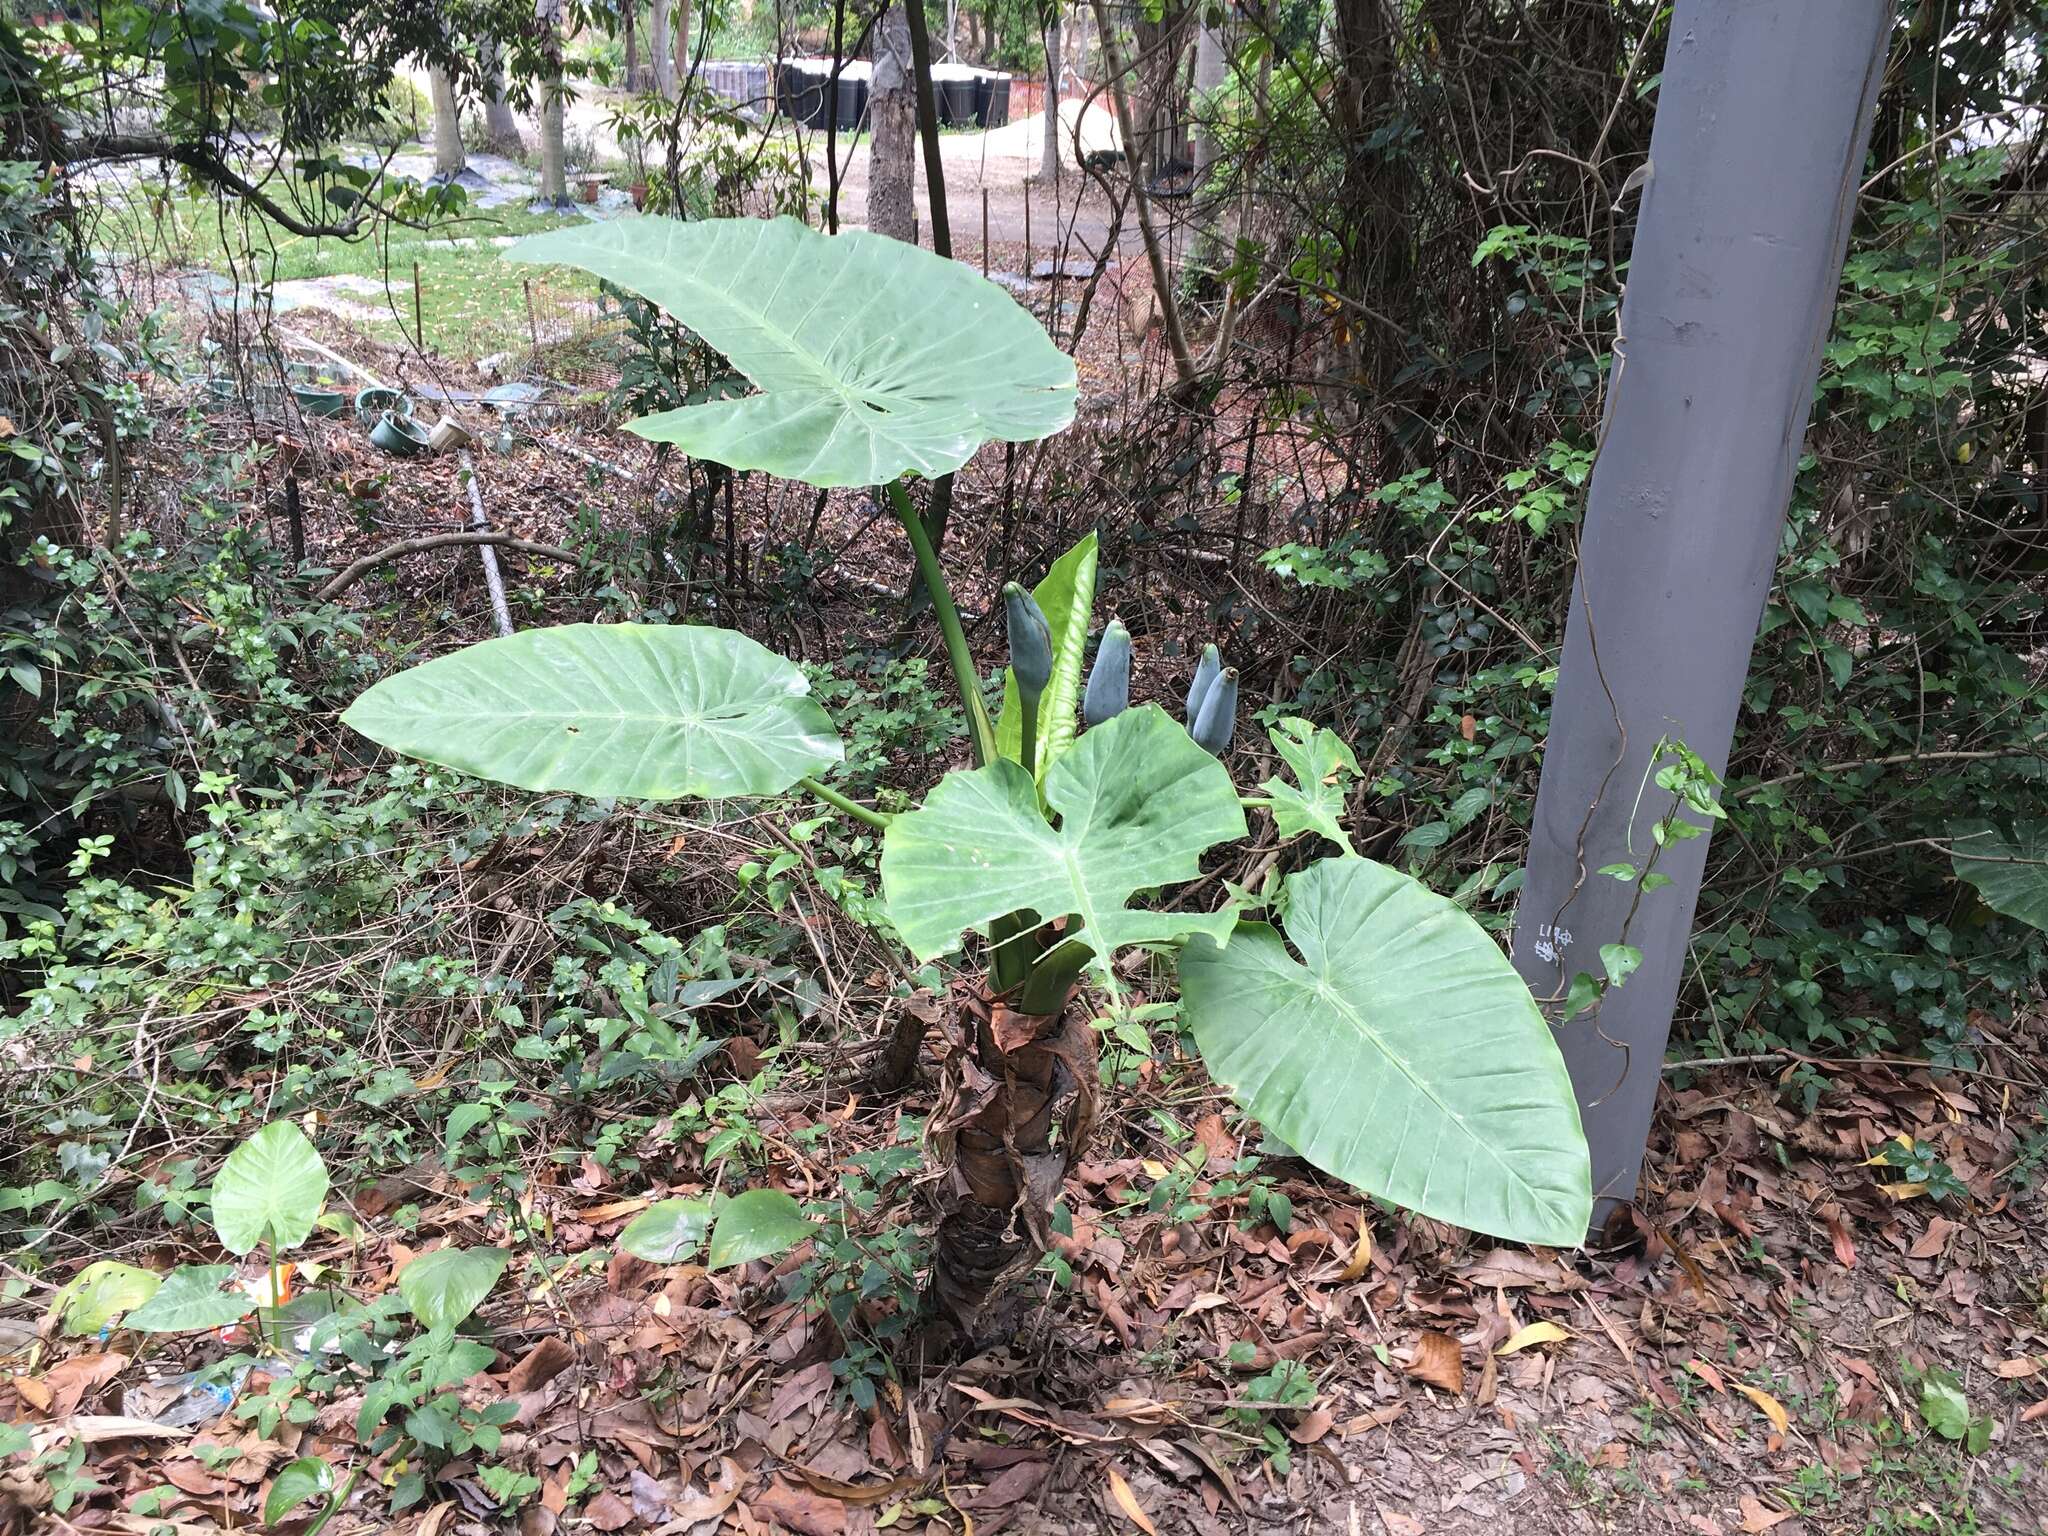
1380 1033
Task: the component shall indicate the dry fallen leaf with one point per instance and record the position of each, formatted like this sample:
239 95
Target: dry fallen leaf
71 1381
718 1497
1312 1427
1127 1501
608 1512
1768 1405
1534 1333
1757 1517
1931 1242
2020 1369
1361 1252
1508 1268
1845 1244
1439 1361
540 1365
1379 1418
799 1509
1707 1373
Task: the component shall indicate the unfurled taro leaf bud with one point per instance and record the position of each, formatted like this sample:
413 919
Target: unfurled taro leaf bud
1205 679
1218 717
1109 681
1030 641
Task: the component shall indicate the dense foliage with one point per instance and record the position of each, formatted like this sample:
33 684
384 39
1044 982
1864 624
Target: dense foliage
222 910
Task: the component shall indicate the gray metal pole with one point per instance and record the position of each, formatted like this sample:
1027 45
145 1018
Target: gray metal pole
1762 121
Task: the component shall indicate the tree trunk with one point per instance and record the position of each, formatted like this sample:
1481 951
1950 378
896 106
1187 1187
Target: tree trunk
892 109
660 49
501 128
1006 1079
449 159
1154 73
1209 63
1049 154
682 53
554 168
630 32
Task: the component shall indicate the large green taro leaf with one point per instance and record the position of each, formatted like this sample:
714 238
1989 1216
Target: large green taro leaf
2010 873
1137 803
1067 598
269 1191
872 357
1400 1053
628 711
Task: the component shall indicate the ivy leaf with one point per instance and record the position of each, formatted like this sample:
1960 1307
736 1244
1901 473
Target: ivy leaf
1137 802
1943 1405
755 1225
667 1230
1619 961
1582 994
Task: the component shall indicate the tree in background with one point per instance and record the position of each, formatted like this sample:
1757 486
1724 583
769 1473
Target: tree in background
892 107
660 49
501 127
449 158
554 170
1049 151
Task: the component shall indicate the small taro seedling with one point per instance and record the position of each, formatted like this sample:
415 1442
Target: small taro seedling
1382 1034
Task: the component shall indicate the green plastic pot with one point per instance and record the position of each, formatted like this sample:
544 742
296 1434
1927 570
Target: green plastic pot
378 398
399 435
318 400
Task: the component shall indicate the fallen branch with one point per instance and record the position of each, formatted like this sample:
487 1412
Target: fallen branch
403 547
479 523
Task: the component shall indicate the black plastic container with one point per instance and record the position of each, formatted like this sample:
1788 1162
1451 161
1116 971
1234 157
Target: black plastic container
852 101
955 101
991 99
800 92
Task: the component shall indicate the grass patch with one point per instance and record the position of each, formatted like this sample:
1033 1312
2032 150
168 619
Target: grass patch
471 301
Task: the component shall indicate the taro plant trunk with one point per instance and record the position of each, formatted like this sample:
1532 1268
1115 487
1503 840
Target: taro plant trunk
1385 1037
1007 1081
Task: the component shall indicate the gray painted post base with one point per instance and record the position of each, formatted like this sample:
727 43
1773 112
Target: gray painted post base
1763 116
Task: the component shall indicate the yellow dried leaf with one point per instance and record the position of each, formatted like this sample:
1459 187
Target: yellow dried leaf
1767 1405
1534 1333
1127 1501
1361 1252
